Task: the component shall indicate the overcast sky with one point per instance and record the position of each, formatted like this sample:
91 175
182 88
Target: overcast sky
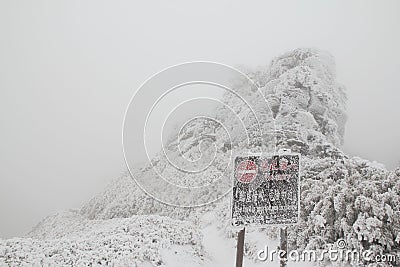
69 68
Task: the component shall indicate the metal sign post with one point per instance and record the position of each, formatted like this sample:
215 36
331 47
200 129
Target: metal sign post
283 246
266 191
240 248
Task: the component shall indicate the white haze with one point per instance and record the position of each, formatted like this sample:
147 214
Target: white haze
69 68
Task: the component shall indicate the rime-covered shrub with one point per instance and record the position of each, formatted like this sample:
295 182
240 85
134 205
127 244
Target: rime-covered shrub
350 199
113 242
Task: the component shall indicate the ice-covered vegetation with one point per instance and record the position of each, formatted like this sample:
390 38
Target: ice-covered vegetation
72 240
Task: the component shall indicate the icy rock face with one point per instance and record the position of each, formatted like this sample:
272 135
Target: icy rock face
306 99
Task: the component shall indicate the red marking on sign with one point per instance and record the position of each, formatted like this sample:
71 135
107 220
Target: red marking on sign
264 166
246 171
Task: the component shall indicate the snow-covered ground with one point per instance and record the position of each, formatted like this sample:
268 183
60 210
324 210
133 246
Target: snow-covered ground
222 251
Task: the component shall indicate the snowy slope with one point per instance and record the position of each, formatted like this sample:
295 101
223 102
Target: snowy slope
75 241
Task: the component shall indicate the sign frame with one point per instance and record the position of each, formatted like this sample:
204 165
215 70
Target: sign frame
266 156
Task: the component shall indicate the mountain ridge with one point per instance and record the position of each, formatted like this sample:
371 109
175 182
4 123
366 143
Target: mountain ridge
342 197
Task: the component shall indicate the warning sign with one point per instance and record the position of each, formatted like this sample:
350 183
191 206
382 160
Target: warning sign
266 190
246 171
